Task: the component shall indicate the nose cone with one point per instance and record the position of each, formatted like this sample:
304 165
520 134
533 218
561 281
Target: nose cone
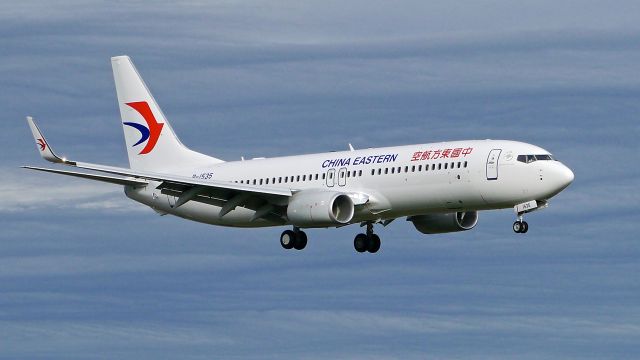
563 176
566 176
558 177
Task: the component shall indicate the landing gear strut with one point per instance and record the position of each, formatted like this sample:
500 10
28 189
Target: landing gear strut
367 242
293 239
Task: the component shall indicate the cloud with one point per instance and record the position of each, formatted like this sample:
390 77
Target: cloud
26 191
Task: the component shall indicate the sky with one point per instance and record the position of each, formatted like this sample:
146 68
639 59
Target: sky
86 273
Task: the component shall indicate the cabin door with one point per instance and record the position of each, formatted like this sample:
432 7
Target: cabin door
492 164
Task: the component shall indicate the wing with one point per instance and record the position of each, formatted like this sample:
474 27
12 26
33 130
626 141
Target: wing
268 202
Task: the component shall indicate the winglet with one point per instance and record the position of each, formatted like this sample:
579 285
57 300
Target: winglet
43 146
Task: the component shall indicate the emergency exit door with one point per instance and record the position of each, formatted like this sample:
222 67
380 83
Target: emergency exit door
492 164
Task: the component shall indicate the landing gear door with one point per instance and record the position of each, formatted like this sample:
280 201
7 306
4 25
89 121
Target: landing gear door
492 164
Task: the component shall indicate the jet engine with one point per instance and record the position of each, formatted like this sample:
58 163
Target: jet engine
444 223
313 208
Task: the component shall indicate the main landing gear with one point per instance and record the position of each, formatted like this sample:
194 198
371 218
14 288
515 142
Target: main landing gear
297 239
367 242
293 239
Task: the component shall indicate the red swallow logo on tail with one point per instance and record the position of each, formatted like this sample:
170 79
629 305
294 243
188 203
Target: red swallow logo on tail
42 144
151 132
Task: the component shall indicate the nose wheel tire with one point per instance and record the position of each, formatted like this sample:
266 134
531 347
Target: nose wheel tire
520 227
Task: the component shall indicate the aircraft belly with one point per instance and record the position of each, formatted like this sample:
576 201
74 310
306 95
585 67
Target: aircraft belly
441 194
209 214
193 210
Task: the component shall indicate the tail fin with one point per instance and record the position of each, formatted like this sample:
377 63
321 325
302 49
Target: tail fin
151 143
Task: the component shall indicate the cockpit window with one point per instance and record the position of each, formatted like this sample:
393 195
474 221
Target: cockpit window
531 158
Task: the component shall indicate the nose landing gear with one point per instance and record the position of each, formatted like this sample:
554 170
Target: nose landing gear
520 226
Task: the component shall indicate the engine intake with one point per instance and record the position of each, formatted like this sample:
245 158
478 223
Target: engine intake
312 208
444 223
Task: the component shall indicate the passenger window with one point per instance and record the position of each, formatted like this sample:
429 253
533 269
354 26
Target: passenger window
266 182
420 167
386 170
254 181
439 166
433 166
465 164
304 177
379 171
316 176
445 166
413 168
359 172
393 170
373 171
324 176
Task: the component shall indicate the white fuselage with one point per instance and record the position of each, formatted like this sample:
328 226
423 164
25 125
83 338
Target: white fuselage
398 181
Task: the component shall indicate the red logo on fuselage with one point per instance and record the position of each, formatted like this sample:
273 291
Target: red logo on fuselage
152 131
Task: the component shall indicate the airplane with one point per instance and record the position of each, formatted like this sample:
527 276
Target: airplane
439 187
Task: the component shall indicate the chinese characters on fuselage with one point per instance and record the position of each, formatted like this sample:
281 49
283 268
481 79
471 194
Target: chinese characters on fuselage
441 154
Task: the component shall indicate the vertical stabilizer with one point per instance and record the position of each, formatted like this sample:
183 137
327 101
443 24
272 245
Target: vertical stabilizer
151 143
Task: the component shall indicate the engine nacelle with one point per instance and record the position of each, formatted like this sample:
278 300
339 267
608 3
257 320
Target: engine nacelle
444 223
313 208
